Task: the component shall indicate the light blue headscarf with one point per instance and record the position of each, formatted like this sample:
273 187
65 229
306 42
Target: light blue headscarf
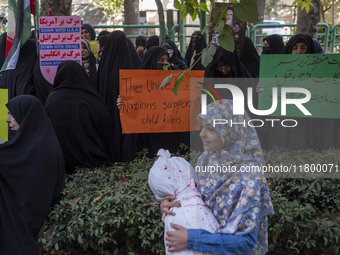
239 200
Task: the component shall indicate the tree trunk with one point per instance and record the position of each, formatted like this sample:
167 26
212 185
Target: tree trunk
308 22
161 19
57 7
260 6
131 16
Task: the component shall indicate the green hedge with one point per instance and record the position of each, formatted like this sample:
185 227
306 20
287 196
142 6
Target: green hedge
111 210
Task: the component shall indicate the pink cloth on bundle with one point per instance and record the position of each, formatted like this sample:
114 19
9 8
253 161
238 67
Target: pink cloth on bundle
174 176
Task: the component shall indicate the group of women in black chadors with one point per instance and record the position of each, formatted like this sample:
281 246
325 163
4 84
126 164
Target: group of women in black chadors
311 133
75 121
82 102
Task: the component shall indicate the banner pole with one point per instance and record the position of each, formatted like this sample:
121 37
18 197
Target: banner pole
36 24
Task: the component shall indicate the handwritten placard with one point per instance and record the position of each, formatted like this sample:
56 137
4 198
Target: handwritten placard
147 108
320 74
3 115
60 40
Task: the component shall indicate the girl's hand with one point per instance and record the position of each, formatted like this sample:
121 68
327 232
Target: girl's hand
167 204
119 102
177 240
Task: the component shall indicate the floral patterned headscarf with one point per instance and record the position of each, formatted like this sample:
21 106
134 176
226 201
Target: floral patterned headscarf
238 196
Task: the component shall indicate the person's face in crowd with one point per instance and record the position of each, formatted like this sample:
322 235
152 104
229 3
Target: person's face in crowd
299 48
194 41
84 51
266 47
169 50
194 37
13 125
164 59
266 44
85 34
210 138
224 69
237 27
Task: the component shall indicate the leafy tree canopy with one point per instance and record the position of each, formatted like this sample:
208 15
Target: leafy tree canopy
110 6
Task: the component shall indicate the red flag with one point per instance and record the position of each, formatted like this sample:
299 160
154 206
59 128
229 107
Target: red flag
33 5
50 13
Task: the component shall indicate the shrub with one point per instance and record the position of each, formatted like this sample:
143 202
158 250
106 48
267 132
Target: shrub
108 210
111 210
306 209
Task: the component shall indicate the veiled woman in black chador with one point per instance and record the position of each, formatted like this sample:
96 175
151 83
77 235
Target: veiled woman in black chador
250 58
152 41
119 53
155 59
19 81
81 120
141 46
197 43
31 176
308 133
273 44
226 64
175 58
305 40
227 68
89 62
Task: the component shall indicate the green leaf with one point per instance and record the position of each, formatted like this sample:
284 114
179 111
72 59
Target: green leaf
206 58
177 5
221 14
192 60
204 7
167 67
246 10
212 50
166 80
226 30
207 28
141 175
194 14
219 27
182 9
80 239
178 82
44 241
208 54
304 4
226 40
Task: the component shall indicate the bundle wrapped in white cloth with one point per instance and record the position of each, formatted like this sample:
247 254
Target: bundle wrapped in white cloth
174 176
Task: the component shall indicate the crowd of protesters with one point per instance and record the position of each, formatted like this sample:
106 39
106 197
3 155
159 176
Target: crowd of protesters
102 58
78 115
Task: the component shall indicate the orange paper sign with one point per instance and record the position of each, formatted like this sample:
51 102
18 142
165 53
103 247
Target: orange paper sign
147 108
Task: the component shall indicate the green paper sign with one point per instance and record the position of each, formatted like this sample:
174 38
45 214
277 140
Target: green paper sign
320 74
